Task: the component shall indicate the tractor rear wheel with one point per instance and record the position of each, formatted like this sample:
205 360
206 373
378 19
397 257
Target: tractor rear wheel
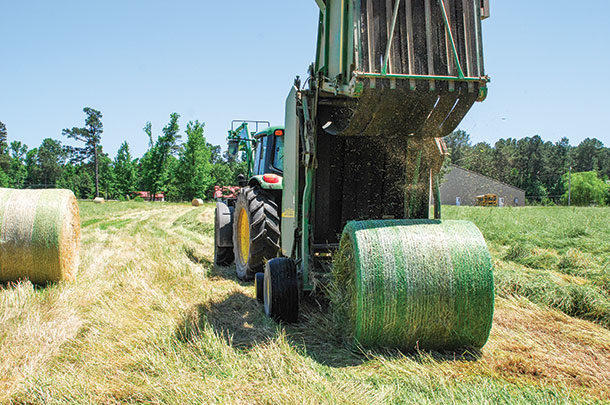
223 254
256 231
281 290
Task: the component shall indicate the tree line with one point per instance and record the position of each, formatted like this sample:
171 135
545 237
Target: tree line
182 171
190 169
540 168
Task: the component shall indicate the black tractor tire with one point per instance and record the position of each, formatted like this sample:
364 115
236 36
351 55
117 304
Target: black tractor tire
258 208
259 281
223 255
281 290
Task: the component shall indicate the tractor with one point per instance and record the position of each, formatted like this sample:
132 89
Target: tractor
356 168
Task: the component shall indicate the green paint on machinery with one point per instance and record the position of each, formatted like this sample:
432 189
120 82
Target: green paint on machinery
360 155
414 284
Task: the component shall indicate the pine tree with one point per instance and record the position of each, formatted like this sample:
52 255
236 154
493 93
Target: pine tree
5 160
91 135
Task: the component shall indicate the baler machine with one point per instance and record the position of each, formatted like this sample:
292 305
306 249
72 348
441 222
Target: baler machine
354 172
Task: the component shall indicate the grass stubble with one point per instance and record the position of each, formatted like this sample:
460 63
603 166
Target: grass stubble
149 319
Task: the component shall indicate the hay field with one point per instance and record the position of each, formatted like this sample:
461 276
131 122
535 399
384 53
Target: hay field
149 319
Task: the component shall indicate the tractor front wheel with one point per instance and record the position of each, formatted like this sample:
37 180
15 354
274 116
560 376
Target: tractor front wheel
256 231
281 290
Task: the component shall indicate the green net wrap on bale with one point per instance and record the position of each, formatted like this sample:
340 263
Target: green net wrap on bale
39 235
414 284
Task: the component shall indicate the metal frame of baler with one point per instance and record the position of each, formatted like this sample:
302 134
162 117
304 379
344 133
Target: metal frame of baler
340 92
349 85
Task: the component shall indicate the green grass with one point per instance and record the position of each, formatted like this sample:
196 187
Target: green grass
556 256
149 319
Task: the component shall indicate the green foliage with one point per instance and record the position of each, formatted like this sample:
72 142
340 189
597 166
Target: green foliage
91 136
3 138
587 155
530 163
587 189
125 171
78 179
481 158
45 164
157 162
5 160
107 177
225 173
182 172
193 173
4 180
458 143
17 172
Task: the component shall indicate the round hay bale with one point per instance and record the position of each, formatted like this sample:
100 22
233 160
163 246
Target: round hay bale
414 284
39 235
99 200
197 202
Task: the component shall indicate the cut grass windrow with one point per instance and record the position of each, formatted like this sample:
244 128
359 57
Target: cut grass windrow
148 319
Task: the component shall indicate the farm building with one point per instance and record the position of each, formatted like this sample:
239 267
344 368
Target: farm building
461 187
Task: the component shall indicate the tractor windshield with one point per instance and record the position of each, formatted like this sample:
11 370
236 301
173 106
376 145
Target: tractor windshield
278 153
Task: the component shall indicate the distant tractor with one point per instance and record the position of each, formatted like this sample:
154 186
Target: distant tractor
345 186
487 200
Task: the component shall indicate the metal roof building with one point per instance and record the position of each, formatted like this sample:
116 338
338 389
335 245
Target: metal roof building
461 187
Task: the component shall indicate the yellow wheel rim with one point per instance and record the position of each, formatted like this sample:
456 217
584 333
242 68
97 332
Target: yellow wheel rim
244 235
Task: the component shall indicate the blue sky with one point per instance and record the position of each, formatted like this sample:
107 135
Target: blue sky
139 61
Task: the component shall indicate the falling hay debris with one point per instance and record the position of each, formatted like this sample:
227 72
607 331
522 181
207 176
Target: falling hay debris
99 200
197 202
39 235
414 284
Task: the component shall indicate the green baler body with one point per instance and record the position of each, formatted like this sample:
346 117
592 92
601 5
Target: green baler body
391 77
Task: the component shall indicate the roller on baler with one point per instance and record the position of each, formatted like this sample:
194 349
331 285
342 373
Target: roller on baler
354 171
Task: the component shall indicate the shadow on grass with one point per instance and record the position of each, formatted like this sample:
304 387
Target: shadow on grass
11 285
226 272
240 321
195 256
236 319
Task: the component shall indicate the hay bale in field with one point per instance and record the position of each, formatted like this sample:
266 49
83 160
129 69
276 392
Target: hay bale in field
39 235
414 284
99 200
197 202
